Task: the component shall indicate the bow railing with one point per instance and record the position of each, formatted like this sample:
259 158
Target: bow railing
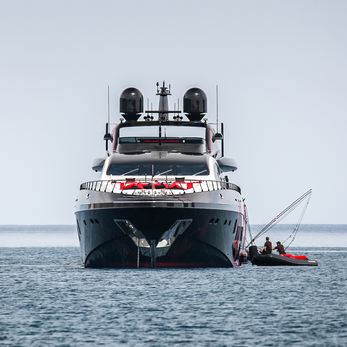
157 187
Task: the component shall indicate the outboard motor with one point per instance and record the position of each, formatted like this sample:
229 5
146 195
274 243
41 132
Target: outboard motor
252 252
195 104
131 104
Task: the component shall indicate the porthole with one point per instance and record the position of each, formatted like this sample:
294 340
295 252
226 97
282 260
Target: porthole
211 221
84 222
225 222
91 221
216 221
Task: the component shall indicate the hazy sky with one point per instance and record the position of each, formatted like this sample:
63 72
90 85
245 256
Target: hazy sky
280 66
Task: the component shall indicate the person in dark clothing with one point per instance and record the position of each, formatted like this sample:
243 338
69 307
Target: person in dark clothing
267 246
280 248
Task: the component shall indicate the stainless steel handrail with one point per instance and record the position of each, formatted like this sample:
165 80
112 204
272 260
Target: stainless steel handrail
211 185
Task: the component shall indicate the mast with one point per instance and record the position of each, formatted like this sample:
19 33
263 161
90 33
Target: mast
163 93
163 108
284 213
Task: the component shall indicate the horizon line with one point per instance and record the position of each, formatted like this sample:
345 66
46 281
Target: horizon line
6 225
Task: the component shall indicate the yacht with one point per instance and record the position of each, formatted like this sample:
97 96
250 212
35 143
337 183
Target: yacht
163 197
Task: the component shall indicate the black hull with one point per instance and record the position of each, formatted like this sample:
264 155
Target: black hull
278 260
195 237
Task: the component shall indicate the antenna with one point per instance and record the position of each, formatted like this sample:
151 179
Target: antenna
108 136
108 105
108 119
217 108
222 131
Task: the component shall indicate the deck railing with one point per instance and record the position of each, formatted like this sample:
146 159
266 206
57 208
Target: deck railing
157 187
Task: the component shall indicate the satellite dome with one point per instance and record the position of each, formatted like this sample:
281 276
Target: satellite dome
131 104
195 104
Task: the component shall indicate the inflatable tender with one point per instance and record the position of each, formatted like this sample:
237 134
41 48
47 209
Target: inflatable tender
279 260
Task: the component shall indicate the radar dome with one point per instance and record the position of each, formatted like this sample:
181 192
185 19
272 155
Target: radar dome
131 104
195 104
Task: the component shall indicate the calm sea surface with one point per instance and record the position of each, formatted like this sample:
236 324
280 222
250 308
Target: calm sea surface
47 298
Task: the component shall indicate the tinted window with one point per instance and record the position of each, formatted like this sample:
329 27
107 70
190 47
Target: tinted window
147 169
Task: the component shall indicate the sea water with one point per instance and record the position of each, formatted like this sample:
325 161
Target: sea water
48 299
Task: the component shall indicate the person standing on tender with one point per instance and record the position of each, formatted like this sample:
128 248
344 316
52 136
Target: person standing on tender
267 246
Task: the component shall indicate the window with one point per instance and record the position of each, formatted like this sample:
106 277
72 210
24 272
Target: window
217 170
159 169
167 131
79 231
235 224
